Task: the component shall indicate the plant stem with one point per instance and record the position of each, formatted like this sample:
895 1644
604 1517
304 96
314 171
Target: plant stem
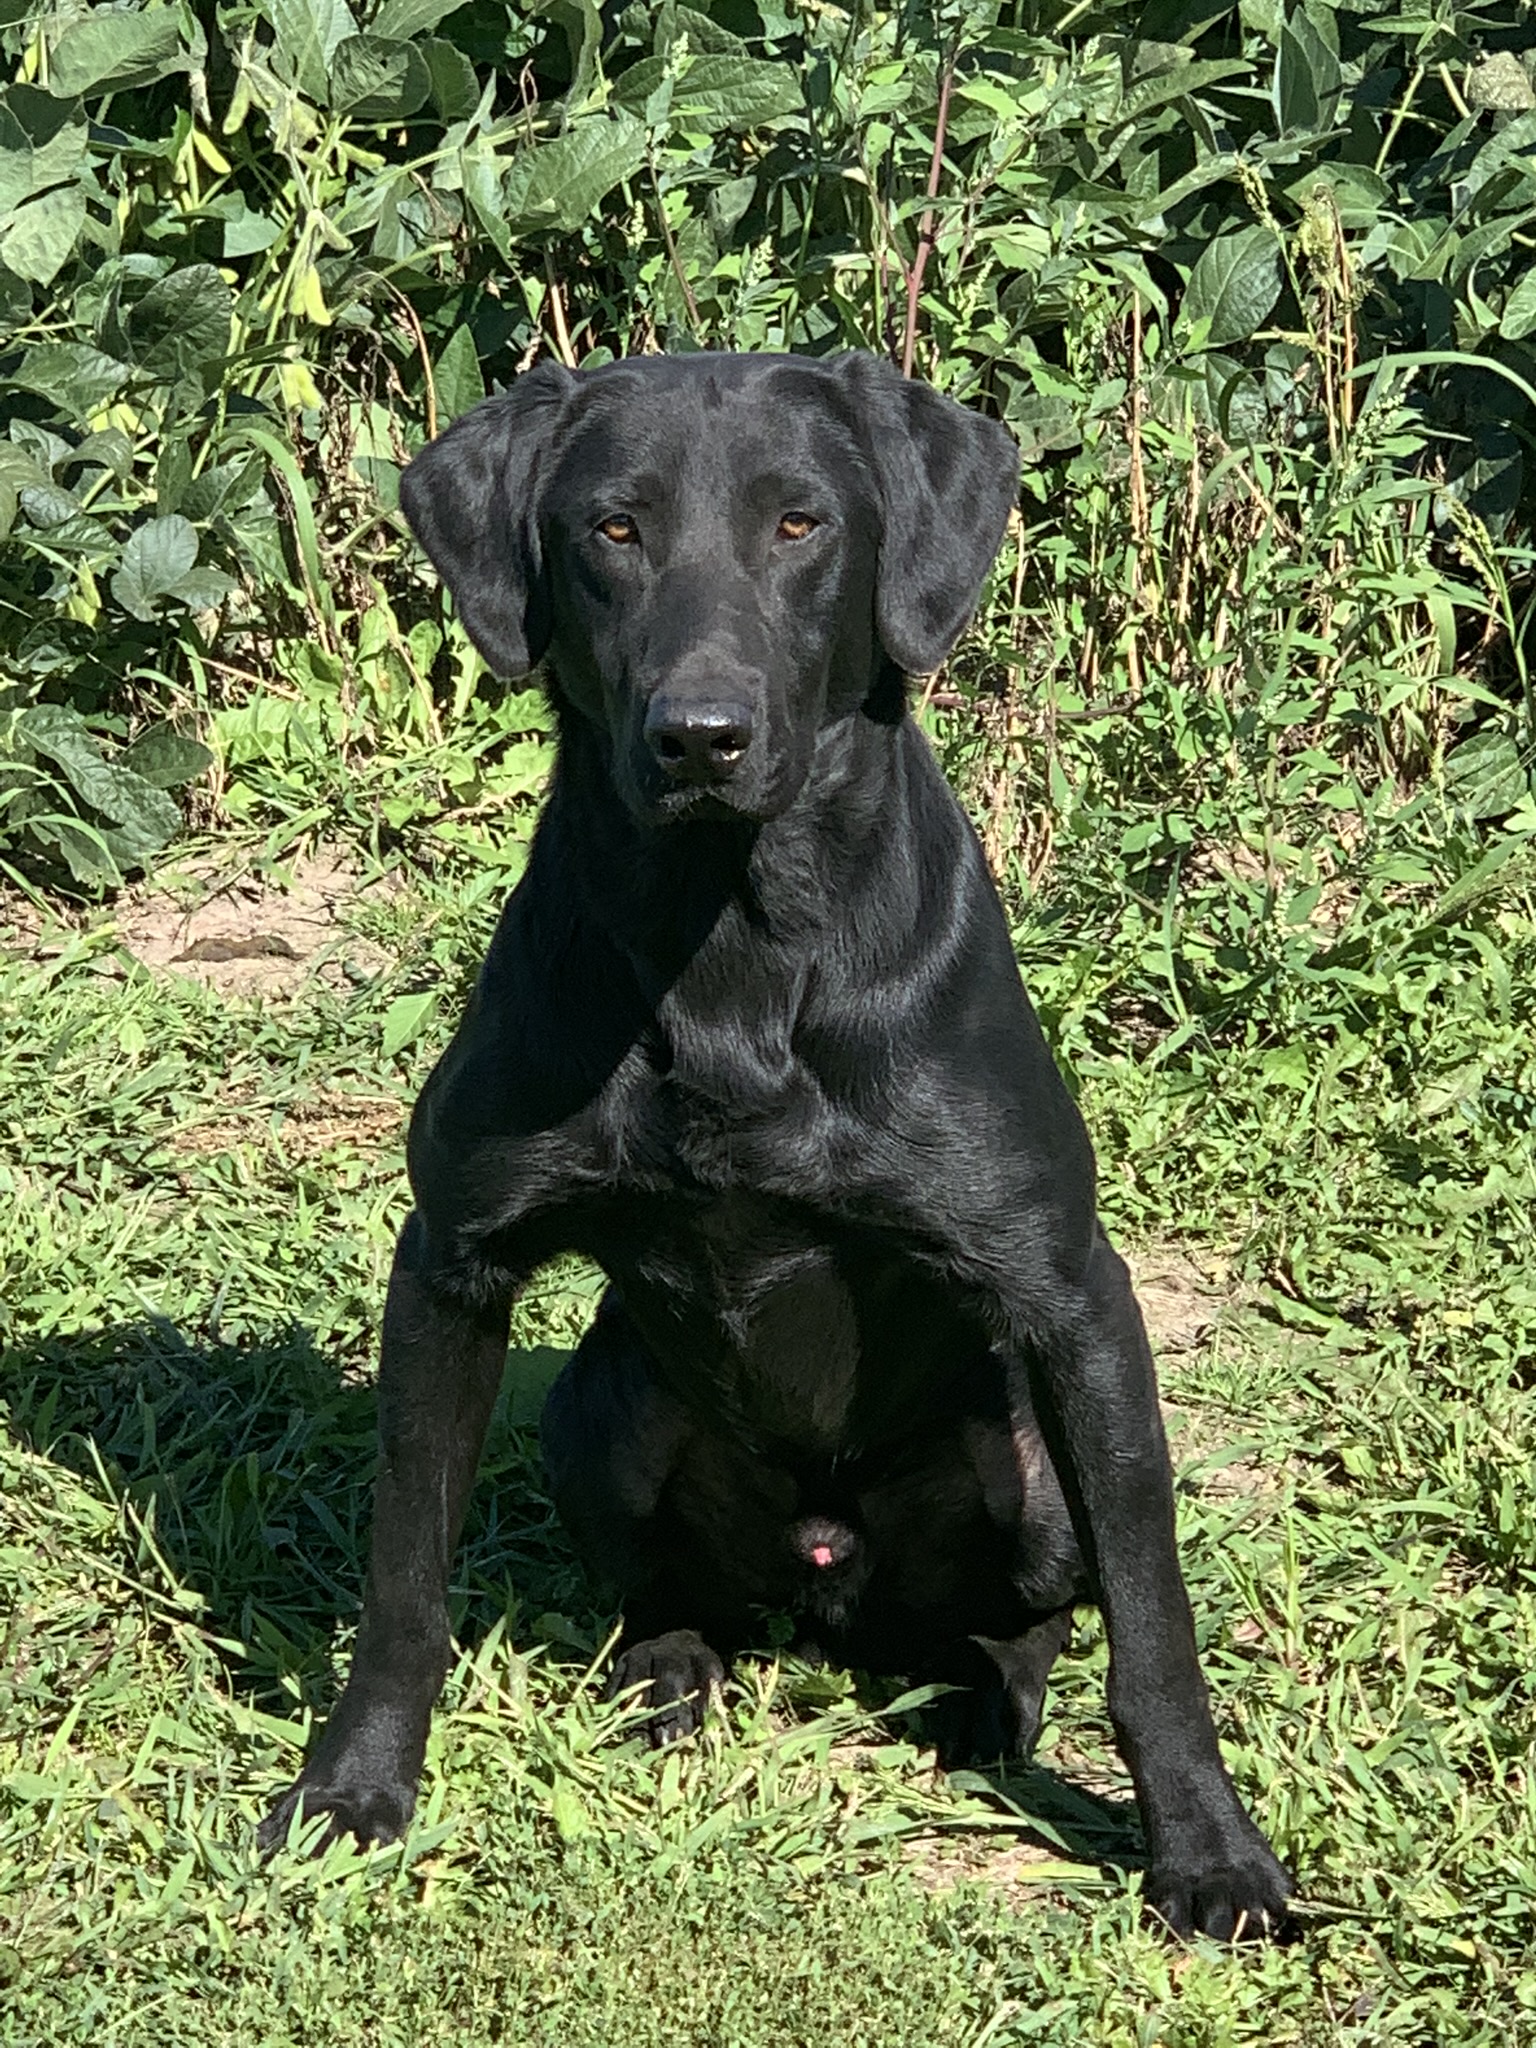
925 232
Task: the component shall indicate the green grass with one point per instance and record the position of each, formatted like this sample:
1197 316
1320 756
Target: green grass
194 1257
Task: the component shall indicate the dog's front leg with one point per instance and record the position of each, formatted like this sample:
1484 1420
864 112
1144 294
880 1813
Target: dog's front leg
1084 1347
440 1369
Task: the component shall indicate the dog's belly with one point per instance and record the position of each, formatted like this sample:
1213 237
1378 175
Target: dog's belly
765 1323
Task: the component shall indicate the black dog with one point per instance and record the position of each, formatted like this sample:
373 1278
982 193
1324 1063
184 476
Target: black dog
751 1036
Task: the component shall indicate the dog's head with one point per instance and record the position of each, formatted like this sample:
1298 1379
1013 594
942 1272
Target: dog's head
718 554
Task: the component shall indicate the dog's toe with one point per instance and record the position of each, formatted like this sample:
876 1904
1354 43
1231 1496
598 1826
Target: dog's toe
371 1813
1245 1900
673 1675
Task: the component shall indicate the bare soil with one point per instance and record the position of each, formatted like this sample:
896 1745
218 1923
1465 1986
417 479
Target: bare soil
248 935
327 1121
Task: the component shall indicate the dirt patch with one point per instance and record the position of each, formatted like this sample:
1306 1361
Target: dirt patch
1180 1304
327 1121
1183 1305
1338 894
940 1862
1207 1462
245 934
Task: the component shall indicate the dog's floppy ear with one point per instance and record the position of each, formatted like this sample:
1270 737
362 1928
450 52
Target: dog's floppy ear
948 479
471 496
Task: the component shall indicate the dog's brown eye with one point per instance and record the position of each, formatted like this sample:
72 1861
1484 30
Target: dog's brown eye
620 529
796 525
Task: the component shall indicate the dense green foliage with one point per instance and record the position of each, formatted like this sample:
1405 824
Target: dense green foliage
1250 283
1247 725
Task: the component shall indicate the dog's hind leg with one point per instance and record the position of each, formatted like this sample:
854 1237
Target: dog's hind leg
611 1436
996 1709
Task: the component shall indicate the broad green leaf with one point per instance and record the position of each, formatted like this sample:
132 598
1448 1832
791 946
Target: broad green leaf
405 1020
201 590
1175 83
1307 80
457 376
1267 16
16 180
703 34
1211 170
81 847
455 88
1307 76
108 449
401 19
716 92
1040 423
48 505
1359 196
115 51
156 557
1403 245
1233 287
167 758
726 205
1490 482
181 322
1519 318
480 177
20 467
62 736
558 184
374 79
1491 239
1230 398
34 119
582 23
37 239
42 143
78 378
308 32
173 473
1487 775
247 233
1512 142
222 488
135 840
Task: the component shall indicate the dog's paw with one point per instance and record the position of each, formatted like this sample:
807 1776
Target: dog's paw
1243 1897
675 1674
976 1725
378 1812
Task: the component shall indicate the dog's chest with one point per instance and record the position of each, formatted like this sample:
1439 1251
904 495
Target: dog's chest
749 1314
721 1097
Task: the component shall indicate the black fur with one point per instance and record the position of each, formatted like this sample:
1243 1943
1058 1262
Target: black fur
751 1035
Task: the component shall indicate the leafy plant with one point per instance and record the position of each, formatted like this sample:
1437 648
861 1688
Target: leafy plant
250 254
63 801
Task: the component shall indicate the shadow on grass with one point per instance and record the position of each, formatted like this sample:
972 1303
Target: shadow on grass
1069 1818
249 1469
251 1466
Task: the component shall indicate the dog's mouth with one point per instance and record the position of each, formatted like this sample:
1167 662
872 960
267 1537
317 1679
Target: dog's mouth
706 806
670 806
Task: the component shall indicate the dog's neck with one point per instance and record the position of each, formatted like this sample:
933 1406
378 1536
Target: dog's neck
663 894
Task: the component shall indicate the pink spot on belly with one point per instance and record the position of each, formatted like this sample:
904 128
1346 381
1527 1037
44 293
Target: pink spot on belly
822 1554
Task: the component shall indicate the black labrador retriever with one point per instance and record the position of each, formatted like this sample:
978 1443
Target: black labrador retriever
751 1036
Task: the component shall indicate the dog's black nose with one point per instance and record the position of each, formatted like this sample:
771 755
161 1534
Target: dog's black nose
697 742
